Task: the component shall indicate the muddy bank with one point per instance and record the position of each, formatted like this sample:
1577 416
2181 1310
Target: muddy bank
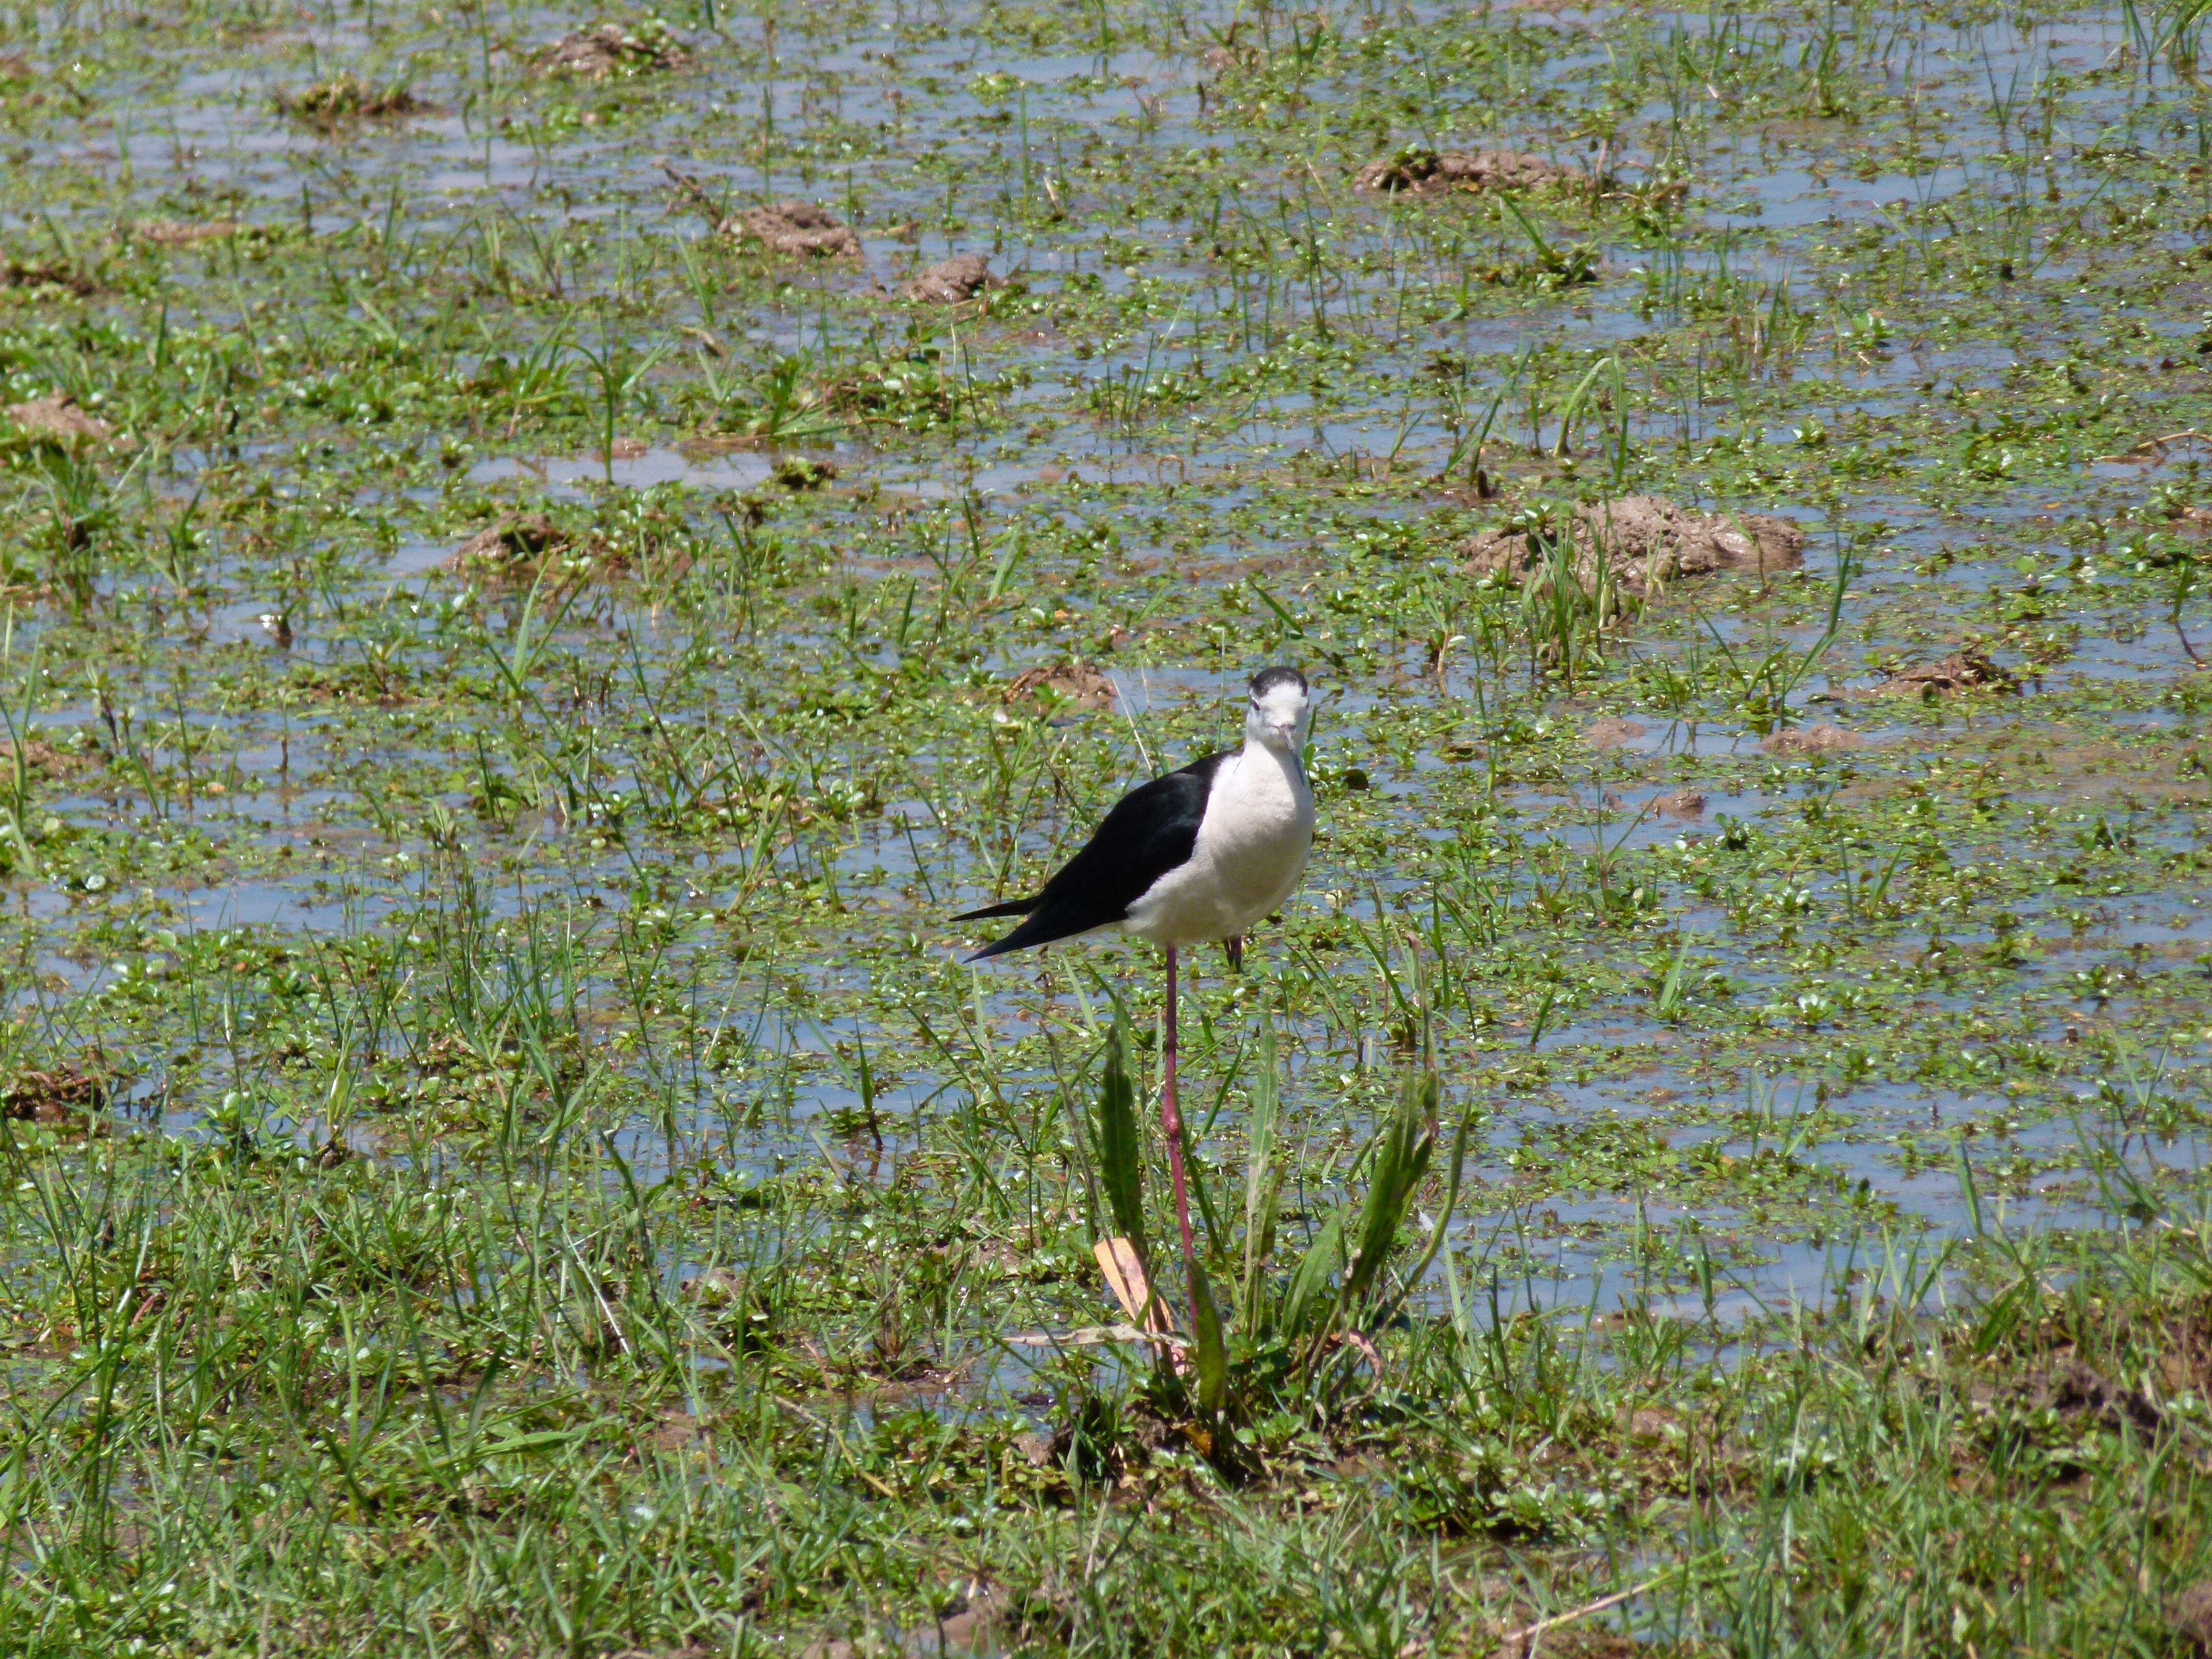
1079 684
57 421
955 280
1431 173
609 50
1641 543
793 230
345 98
1964 669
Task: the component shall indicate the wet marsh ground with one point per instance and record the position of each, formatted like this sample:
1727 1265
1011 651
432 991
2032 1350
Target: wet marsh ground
515 643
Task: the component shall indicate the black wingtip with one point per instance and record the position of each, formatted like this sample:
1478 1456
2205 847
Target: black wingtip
1010 908
1012 941
1044 925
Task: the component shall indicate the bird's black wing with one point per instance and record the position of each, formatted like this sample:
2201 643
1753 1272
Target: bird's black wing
1150 830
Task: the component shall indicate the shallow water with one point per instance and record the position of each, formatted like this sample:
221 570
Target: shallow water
1194 526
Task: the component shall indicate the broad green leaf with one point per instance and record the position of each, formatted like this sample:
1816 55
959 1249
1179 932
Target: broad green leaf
1121 1158
1309 1285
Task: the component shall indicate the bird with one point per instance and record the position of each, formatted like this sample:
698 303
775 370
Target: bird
1199 854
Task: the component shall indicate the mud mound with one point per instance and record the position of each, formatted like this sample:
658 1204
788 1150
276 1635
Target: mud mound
801 472
514 539
1964 669
47 274
960 278
1076 682
175 233
349 97
1612 733
39 758
1428 171
794 229
1646 542
523 547
1811 740
609 48
64 1096
59 422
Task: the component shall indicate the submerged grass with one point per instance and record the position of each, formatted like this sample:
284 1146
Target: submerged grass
503 680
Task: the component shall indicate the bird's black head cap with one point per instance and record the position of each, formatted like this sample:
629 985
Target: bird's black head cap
1269 678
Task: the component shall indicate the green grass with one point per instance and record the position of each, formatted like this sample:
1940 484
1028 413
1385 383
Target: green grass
501 1156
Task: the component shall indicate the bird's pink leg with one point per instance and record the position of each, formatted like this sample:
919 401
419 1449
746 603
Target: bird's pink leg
1171 1125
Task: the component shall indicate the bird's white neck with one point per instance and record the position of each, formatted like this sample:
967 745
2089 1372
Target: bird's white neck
1270 751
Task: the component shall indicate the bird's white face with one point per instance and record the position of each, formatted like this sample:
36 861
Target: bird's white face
1276 715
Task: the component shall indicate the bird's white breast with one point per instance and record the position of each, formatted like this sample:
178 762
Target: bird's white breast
1250 851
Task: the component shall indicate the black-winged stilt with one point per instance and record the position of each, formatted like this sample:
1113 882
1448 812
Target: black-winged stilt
1201 854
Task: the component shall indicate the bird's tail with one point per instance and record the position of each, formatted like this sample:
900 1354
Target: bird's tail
1020 907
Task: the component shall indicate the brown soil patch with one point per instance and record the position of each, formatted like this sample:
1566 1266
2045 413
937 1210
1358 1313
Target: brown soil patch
1647 541
349 97
1570 1642
1611 733
675 1431
512 540
63 1096
2188 1367
961 277
42 759
1076 682
2190 1618
1682 804
718 1287
1428 173
1811 740
526 546
59 421
1964 669
175 233
969 1629
1652 1423
609 48
971 1626
794 229
45 273
2080 1394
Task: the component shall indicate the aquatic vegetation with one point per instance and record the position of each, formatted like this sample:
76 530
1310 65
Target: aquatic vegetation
348 97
